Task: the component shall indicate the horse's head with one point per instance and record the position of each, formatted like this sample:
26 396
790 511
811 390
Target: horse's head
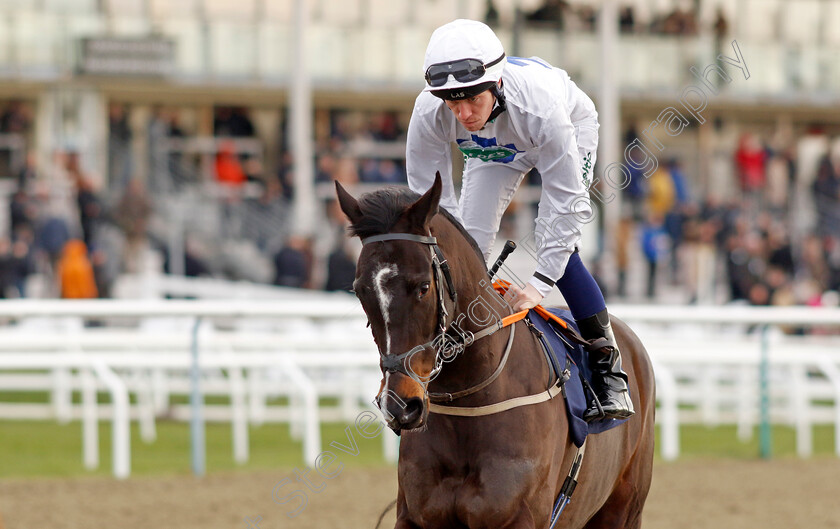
403 293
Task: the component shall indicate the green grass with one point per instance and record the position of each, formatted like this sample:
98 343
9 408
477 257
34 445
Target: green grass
39 448
31 449
722 442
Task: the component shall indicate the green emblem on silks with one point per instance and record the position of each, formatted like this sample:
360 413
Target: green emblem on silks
486 150
587 165
485 154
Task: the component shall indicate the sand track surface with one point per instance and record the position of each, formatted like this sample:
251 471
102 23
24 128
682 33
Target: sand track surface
694 494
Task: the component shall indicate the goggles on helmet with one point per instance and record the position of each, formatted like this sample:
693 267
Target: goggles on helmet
463 70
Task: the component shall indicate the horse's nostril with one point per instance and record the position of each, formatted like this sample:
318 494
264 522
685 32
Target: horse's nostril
412 411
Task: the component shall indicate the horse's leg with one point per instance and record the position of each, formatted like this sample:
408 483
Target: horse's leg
623 509
403 521
618 511
521 520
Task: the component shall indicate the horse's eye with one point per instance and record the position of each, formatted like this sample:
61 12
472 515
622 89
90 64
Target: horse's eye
423 290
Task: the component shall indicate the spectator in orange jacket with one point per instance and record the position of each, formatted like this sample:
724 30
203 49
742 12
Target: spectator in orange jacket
228 169
75 272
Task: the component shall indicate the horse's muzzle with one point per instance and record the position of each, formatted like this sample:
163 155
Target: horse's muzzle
407 415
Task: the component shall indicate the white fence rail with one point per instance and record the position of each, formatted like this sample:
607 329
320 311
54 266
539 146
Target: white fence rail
709 368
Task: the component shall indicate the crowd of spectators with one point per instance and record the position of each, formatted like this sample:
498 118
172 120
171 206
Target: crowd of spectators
712 250
750 247
347 149
80 254
16 119
351 147
741 248
682 20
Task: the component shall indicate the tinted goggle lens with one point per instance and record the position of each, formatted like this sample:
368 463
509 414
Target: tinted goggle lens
464 71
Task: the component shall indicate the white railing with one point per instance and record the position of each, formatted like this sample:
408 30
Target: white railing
710 347
307 348
155 285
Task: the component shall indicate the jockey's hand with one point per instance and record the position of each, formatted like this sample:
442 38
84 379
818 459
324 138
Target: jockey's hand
522 298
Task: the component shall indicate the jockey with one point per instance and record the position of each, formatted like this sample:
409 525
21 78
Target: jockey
508 115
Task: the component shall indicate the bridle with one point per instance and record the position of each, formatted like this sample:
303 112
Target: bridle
442 277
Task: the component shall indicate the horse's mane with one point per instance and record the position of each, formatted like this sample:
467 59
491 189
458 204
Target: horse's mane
381 209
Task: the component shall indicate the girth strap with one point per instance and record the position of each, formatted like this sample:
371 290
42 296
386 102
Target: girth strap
568 487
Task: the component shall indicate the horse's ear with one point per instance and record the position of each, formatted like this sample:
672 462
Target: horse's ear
421 212
349 205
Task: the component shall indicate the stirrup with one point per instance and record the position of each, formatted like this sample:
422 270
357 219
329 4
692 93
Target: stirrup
592 403
601 413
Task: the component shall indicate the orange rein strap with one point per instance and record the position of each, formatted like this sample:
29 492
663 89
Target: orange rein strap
513 318
501 286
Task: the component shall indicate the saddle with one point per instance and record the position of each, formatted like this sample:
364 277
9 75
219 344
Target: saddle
563 348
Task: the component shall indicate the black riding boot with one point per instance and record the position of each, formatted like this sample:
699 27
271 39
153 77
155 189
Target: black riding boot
609 382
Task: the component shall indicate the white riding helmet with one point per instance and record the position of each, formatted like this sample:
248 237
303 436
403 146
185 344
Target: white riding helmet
462 54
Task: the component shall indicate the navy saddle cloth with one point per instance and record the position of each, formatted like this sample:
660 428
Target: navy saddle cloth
576 399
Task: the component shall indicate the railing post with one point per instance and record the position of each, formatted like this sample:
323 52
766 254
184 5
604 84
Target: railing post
829 369
802 411
120 421
90 420
765 434
668 419
239 413
308 411
146 406
197 444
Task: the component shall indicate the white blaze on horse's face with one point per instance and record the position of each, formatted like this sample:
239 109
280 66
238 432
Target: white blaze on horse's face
380 276
383 274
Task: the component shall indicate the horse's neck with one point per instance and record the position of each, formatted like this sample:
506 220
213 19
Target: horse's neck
479 307
477 300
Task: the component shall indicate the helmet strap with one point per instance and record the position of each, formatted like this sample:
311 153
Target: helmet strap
498 90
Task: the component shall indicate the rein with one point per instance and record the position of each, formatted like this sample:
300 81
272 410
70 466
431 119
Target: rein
449 397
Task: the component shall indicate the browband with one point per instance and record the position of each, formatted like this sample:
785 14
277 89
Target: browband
400 237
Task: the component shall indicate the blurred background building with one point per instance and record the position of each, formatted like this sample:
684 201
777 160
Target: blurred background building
158 132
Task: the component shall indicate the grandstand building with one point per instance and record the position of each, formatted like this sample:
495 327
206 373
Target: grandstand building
192 98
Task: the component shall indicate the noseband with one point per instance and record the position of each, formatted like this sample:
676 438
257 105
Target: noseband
442 276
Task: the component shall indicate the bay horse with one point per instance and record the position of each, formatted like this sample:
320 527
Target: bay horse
503 470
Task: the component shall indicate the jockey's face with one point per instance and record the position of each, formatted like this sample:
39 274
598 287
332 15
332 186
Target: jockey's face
473 112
